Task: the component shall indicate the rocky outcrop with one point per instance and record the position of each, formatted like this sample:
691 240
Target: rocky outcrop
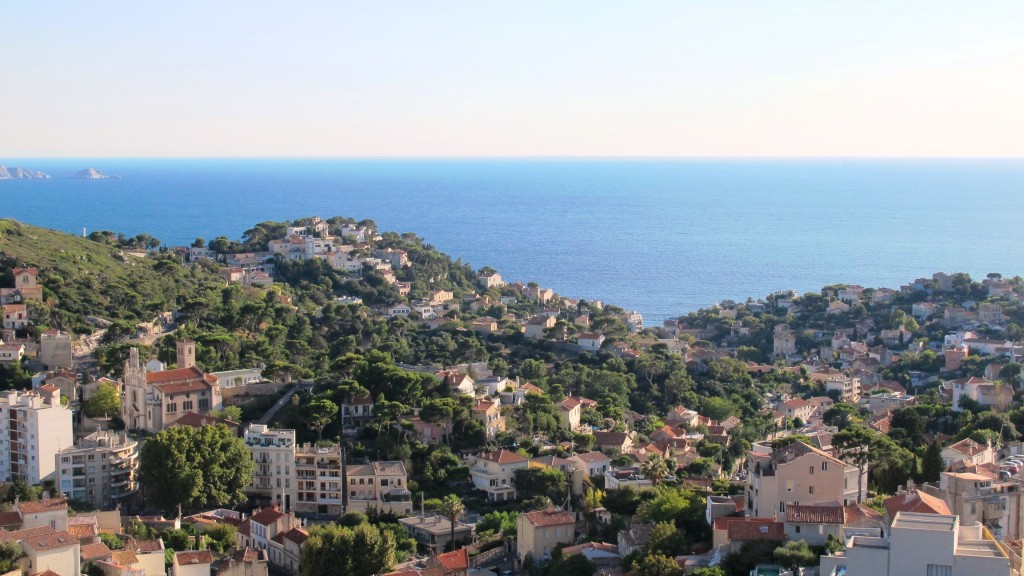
90 174
14 173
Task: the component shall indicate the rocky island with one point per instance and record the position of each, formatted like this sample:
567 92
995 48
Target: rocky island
91 174
14 173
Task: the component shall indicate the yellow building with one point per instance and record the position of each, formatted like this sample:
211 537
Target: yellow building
539 532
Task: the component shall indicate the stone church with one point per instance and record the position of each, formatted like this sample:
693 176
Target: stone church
154 400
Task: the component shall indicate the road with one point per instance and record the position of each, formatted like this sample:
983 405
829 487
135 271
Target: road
299 387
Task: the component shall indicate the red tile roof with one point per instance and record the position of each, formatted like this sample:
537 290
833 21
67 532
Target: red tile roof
176 375
592 456
503 457
814 514
915 501
968 447
95 551
38 506
549 517
746 529
52 541
267 516
194 557
457 560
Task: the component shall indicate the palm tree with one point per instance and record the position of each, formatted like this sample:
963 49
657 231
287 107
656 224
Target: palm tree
655 468
452 509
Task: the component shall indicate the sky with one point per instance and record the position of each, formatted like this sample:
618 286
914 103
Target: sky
528 78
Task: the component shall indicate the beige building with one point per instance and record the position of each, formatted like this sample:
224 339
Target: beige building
996 505
798 474
273 477
569 412
380 485
318 480
102 470
192 563
494 473
434 532
537 533
55 350
848 387
925 545
488 413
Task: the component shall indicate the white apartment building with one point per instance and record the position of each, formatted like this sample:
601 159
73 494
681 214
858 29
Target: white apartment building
103 469
924 545
273 478
34 427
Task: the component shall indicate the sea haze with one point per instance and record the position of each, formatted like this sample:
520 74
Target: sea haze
663 237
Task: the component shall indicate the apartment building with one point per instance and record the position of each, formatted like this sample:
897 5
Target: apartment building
103 469
925 544
318 480
34 427
798 474
273 451
380 485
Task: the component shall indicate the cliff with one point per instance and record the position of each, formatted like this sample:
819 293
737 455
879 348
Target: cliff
14 173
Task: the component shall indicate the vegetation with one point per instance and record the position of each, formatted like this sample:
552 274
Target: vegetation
334 550
195 467
104 403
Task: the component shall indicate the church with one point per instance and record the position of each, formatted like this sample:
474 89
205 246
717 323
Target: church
154 400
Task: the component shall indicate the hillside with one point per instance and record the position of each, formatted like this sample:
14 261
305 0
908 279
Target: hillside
86 278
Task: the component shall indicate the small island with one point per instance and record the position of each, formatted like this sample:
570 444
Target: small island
14 173
90 174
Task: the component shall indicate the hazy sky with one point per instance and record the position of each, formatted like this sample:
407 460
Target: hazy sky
525 78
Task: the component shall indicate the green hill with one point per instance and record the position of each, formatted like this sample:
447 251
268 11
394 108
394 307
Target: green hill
81 277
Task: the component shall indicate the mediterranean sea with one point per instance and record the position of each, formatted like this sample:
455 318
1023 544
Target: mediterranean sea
664 237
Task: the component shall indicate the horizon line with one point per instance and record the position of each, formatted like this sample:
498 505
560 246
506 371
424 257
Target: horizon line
525 157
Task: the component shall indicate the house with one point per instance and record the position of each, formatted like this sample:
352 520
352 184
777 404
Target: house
814 524
192 563
732 532
602 554
995 504
26 283
592 463
398 311
535 327
538 532
635 537
488 413
783 341
55 350
435 532
458 382
682 416
11 352
357 410
426 432
484 325
837 307
490 280
796 408
243 562
46 549
285 549
381 485
931 544
258 530
494 473
627 476
590 341
968 451
614 442
569 411
15 316
799 474
913 500
991 395
847 387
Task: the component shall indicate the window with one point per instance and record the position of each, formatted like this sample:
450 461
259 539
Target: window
810 489
797 530
172 408
204 404
824 466
186 405
811 471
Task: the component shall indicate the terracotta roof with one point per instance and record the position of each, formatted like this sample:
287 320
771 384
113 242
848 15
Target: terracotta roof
457 560
18 535
549 517
915 501
38 506
856 513
968 447
796 403
814 514
569 403
592 457
176 375
11 518
610 438
46 573
50 541
746 529
483 406
245 528
83 530
532 389
146 546
246 555
267 516
297 535
193 557
503 457
95 551
123 558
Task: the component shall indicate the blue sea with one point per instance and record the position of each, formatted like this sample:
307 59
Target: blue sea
664 237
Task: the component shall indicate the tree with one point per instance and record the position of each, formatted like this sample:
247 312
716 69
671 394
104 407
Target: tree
320 413
221 537
9 554
104 403
195 467
795 554
655 468
932 463
853 445
708 571
532 482
656 565
333 550
452 508
841 415
573 565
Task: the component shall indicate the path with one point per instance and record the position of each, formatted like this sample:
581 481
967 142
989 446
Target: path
298 387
